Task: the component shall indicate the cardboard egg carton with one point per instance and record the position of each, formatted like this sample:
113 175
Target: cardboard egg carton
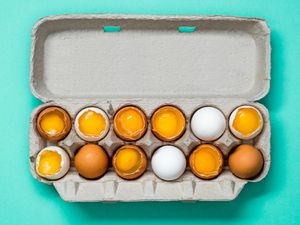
110 61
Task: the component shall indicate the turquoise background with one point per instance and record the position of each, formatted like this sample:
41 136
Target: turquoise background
275 200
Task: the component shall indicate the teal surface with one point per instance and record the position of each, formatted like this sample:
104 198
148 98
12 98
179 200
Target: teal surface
275 200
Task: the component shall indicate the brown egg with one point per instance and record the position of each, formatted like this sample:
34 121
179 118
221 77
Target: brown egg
91 161
129 162
246 161
53 123
206 161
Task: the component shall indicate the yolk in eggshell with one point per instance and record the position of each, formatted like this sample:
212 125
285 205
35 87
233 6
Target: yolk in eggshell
91 123
49 163
53 122
128 160
246 121
206 161
130 123
168 123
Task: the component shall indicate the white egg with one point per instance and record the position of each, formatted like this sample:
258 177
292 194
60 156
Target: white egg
91 137
239 134
208 123
168 162
64 163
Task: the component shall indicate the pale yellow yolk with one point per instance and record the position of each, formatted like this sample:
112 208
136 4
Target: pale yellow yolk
130 123
168 122
91 123
128 160
207 161
49 163
53 123
246 121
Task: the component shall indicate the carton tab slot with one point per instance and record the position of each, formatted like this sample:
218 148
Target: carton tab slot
185 29
111 28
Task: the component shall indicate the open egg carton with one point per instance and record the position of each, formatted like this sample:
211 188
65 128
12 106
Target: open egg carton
110 61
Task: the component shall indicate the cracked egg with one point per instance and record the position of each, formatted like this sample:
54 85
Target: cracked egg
53 123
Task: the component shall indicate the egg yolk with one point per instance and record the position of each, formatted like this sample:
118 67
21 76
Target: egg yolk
246 121
207 161
130 123
168 122
53 123
49 163
91 123
128 160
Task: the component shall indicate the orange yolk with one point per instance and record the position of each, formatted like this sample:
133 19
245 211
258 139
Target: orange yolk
91 123
49 163
207 160
130 123
168 122
128 160
53 123
246 121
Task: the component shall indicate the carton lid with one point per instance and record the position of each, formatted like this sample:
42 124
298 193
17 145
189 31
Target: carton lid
135 56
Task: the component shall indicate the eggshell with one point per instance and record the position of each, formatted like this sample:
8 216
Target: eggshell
168 162
89 137
208 123
123 133
65 162
213 156
246 161
66 118
181 124
133 174
91 161
238 134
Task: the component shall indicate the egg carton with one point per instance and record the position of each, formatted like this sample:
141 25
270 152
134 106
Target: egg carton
110 61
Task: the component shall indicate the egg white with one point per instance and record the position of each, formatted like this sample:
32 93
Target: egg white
65 162
238 134
92 138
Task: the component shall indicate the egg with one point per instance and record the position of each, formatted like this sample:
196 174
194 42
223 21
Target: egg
91 161
130 123
53 123
246 161
208 123
91 124
246 122
168 163
168 123
206 161
52 163
129 162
